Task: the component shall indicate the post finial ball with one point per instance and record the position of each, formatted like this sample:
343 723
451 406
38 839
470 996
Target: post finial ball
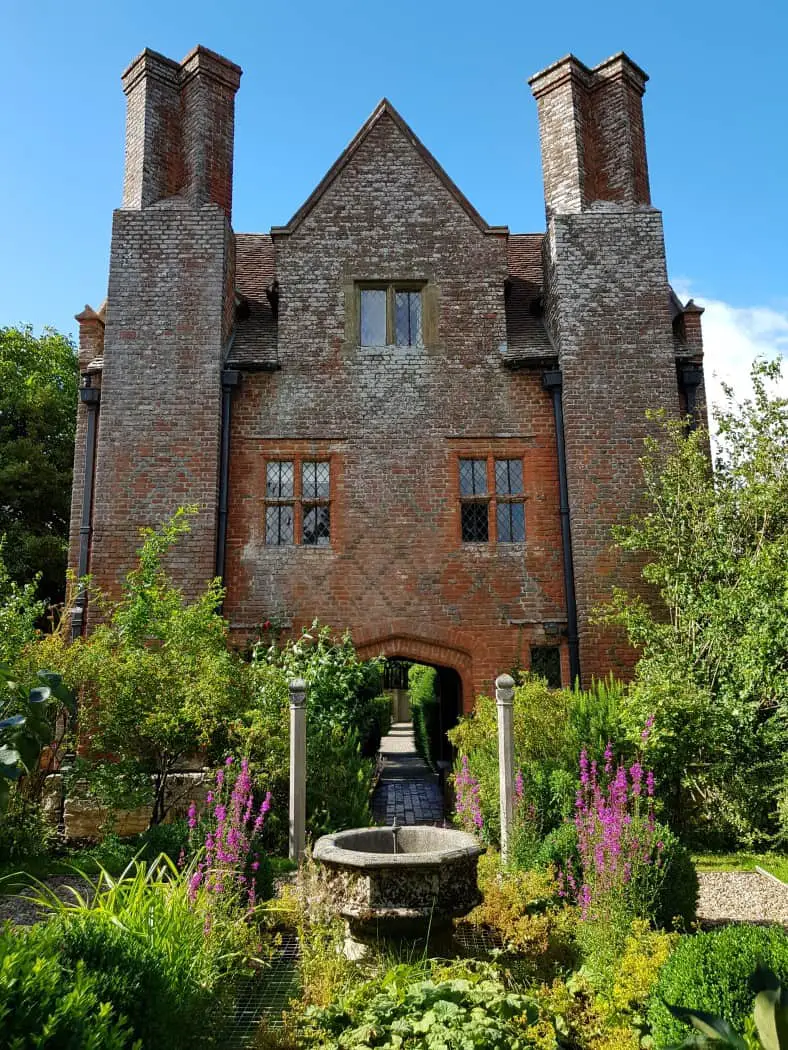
504 689
297 692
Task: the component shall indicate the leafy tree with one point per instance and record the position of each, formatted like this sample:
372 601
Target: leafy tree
157 676
38 396
714 665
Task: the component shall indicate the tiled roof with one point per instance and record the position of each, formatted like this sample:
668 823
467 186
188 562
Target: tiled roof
255 342
526 336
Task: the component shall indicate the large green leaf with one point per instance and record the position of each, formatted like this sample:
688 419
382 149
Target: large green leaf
771 1019
710 1026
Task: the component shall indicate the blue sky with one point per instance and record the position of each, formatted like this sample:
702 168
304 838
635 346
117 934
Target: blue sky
716 109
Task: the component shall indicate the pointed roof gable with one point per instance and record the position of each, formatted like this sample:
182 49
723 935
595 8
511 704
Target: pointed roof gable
384 108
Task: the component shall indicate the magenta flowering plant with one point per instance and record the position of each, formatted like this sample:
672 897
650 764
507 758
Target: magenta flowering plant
467 804
228 868
617 840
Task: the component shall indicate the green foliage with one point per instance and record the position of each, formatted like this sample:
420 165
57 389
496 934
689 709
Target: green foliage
524 911
671 886
770 1017
160 996
470 1007
32 719
425 711
38 405
343 708
558 849
19 611
713 670
710 972
46 1004
550 728
606 1010
156 948
161 679
25 833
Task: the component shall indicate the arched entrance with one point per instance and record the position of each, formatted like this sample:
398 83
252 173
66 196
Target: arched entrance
453 681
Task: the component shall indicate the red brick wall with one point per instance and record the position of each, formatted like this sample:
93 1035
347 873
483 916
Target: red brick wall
394 423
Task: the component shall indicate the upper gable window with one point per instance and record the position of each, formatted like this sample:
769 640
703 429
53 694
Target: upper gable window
391 315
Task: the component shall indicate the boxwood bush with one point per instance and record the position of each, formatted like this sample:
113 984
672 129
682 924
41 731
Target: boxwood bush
46 1003
711 972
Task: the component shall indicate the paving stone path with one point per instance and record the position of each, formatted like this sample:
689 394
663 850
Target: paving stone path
407 789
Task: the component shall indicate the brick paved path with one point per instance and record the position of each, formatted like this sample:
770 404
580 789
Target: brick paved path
407 789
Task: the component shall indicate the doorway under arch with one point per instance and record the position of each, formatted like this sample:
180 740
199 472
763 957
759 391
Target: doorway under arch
453 681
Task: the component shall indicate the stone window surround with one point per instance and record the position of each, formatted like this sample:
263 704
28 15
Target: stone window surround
429 311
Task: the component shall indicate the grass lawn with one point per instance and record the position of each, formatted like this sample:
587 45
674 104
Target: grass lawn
775 863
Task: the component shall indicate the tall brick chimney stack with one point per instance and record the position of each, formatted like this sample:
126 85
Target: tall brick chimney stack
591 128
607 306
180 121
169 316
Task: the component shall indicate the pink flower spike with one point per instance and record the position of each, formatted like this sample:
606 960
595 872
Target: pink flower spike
229 760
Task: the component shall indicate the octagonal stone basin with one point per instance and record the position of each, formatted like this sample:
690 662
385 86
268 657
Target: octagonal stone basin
399 883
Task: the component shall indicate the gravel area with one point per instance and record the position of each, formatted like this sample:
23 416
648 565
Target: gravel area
23 912
741 896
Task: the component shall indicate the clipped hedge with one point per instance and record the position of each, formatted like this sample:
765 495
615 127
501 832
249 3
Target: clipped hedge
425 711
711 972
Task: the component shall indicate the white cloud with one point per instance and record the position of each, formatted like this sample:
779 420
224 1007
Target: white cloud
733 337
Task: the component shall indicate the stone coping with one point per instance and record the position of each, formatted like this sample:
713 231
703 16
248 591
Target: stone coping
368 848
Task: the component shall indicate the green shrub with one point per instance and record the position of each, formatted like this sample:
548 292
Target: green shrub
154 987
25 833
425 711
673 889
170 839
46 1003
343 700
711 972
467 1005
666 893
550 728
558 849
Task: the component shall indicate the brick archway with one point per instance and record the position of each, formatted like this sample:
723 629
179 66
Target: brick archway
423 651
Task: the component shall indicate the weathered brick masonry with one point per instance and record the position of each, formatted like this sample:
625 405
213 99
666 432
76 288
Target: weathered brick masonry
193 308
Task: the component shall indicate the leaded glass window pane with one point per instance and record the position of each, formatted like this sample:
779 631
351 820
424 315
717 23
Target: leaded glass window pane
407 318
317 526
546 663
474 522
314 480
279 524
509 477
373 316
473 477
511 522
279 479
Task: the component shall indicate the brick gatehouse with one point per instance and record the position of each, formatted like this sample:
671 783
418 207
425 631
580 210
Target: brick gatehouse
392 416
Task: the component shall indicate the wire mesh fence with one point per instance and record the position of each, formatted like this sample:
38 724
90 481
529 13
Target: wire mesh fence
265 994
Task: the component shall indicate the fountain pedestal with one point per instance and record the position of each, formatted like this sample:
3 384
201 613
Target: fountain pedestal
399 884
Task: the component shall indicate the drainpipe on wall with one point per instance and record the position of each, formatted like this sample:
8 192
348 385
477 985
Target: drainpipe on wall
230 379
552 382
90 397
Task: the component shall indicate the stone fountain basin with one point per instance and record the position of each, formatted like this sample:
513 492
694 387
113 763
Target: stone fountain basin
415 891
